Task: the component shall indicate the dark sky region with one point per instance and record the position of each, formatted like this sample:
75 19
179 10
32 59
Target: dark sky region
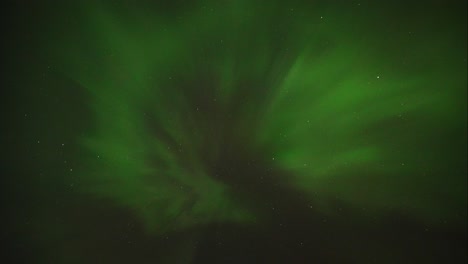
234 132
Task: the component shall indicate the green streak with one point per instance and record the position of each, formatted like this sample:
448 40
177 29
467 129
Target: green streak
348 112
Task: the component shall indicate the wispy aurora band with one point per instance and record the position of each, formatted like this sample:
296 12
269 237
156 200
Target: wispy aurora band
321 94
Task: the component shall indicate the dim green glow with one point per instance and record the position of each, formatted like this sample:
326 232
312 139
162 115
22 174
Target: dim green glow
324 95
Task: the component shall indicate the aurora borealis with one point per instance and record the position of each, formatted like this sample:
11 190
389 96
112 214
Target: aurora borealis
235 132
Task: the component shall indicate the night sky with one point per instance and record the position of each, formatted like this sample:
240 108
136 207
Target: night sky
234 131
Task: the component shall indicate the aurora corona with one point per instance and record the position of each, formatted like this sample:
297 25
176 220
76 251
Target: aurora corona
237 112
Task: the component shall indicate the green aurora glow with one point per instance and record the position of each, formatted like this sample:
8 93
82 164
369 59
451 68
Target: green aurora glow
330 110
326 102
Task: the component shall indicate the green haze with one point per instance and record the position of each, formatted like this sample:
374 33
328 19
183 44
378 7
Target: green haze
369 114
